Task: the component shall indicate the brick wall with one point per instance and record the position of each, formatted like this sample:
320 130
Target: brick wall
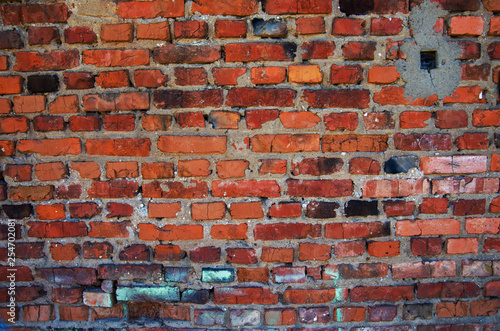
247 164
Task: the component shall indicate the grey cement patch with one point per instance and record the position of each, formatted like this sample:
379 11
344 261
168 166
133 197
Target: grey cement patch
442 80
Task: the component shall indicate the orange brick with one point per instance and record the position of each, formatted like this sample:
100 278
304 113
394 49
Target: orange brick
462 245
383 74
268 75
304 74
466 26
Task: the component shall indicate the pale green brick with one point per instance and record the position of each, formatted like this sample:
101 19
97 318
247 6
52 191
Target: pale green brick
160 294
212 275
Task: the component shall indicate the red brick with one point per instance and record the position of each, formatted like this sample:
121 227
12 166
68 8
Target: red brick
313 296
394 95
168 253
116 101
277 254
483 118
384 248
398 208
484 307
310 25
50 147
190 29
48 123
413 119
29 104
74 313
78 80
382 293
192 144
64 104
51 171
349 314
241 255
230 29
186 54
383 74
348 27
109 229
116 57
378 121
4 63
491 245
18 172
135 253
354 143
268 75
356 50
466 26
364 166
14 124
341 121
422 142
495 203
205 255
118 147
280 316
150 9
39 313
123 32
348 98
456 164
284 143
356 230
260 275
383 26
156 122
113 79
227 76
115 312
57 229
348 74
50 212
7 148
190 119
208 211
193 168
259 51
475 140
119 122
451 119
164 210
154 31
350 248
255 118
84 123
482 225
280 231
80 35
41 35
452 185
393 50
122 170
116 209
463 207
426 246
317 49
49 61
476 72
190 76
229 231
188 99
96 251
462 246
113 189
61 252
176 190
277 7
314 252
434 206
226 7
428 227
244 296
470 94
170 232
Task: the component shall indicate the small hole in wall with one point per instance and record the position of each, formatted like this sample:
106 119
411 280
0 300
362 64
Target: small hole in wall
428 60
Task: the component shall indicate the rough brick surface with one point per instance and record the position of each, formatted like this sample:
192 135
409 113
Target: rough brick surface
249 164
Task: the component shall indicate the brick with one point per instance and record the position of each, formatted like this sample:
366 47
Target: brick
116 57
462 245
78 80
484 118
378 121
208 211
122 170
224 119
188 99
422 142
356 50
310 25
116 209
426 246
190 29
317 49
246 210
480 225
277 254
7 148
29 104
60 252
39 313
428 227
382 313
495 203
164 210
57 229
341 121
320 209
463 207
4 63
466 26
259 51
229 231
50 147
447 290
51 171
170 232
113 79
123 32
394 95
305 74
80 35
280 231
230 29
484 307
119 122
451 119
135 253
113 189
190 76
382 293
11 39
349 314
453 164
314 252
49 61
452 185
383 75
12 124
268 75
277 7
356 230
84 123
280 316
186 54
116 101
43 35
18 173
476 72
260 97
118 147
273 166
156 122
383 26
348 98
168 253
227 76
384 248
241 255
348 27
74 313
150 9
414 119
176 190
109 229
467 95
350 248
192 144
475 140
313 296
64 104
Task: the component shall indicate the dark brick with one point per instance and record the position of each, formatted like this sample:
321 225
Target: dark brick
270 28
411 312
398 164
18 211
361 208
43 83
356 7
10 39
321 209
198 297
